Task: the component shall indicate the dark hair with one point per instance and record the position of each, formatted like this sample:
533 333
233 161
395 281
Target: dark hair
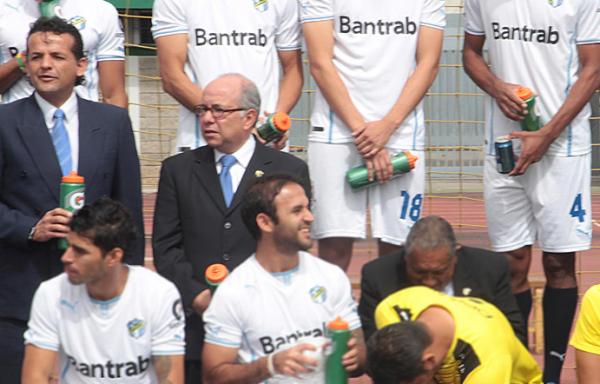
395 352
429 233
59 26
107 223
260 198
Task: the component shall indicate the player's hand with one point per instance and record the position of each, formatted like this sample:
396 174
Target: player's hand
293 361
350 358
202 301
278 144
379 167
373 136
54 224
533 146
510 104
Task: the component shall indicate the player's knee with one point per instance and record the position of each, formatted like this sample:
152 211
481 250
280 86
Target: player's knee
559 266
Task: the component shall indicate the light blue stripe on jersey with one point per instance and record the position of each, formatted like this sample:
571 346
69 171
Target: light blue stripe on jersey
179 351
42 345
330 126
225 343
173 31
289 48
491 139
196 118
590 41
89 75
64 370
436 26
110 57
567 89
320 18
105 302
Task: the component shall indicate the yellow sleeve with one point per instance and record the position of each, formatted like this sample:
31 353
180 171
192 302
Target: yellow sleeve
587 329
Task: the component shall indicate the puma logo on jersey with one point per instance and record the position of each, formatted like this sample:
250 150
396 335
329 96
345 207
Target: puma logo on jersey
379 27
525 33
111 370
234 38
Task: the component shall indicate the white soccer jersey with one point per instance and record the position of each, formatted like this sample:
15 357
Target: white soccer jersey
108 341
534 43
96 20
261 312
374 54
226 36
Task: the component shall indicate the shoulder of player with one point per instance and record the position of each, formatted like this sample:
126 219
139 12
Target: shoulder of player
592 295
150 281
56 287
243 274
323 267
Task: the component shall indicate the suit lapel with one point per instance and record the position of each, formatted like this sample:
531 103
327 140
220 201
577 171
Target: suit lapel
463 285
90 144
206 173
258 166
37 139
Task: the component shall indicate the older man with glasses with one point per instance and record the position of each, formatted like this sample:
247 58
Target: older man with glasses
431 257
197 219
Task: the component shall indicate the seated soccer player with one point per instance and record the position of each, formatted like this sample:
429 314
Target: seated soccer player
426 336
261 317
107 322
586 338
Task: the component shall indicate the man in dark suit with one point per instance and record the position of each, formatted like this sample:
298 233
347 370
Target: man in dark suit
197 220
431 257
42 138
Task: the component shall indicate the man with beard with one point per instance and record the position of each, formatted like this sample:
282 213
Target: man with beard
261 316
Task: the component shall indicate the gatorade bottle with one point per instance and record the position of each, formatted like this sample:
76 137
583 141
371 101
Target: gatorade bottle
531 122
277 125
402 162
72 197
50 8
215 274
338 333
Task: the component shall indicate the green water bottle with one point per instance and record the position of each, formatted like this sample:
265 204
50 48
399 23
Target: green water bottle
402 162
72 197
215 274
276 125
338 332
50 8
531 122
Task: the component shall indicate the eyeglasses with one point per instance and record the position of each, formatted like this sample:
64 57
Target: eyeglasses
217 111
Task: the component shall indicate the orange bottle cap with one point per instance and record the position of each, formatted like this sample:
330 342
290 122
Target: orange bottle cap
412 159
73 178
282 121
338 324
216 273
524 93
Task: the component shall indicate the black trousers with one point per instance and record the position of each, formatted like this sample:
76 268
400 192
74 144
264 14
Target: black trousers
11 350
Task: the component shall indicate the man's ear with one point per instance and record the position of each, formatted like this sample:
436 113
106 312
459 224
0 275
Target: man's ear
114 256
264 222
428 361
250 119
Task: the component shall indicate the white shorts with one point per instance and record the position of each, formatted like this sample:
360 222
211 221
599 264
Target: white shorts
551 202
341 212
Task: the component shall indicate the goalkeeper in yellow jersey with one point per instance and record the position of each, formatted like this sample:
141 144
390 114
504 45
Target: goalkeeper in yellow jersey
426 336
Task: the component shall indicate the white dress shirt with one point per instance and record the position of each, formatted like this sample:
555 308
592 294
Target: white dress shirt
71 122
242 157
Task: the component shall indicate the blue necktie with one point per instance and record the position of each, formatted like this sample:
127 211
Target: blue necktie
60 139
227 162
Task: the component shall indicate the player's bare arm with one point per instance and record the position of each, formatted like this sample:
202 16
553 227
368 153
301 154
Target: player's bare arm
172 55
111 75
291 82
535 144
319 43
10 73
38 365
376 134
220 366
588 367
354 360
169 369
478 70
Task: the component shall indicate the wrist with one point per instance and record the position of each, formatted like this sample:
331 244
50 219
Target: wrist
31 235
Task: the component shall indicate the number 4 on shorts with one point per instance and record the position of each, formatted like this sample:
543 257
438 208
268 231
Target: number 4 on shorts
577 209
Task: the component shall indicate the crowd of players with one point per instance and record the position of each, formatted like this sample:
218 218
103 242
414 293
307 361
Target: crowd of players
224 198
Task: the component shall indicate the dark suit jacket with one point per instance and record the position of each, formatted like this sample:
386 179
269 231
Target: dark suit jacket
478 273
193 229
30 177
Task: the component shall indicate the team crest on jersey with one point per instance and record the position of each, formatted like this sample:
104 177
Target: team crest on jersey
78 22
555 3
318 294
261 5
136 328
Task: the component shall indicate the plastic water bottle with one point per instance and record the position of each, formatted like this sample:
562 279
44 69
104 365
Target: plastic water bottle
276 125
72 197
215 274
402 162
338 332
